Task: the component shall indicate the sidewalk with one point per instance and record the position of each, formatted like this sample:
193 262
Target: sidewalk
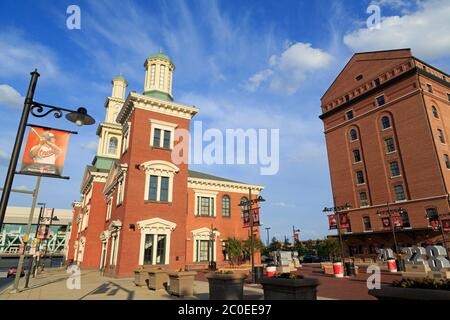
51 285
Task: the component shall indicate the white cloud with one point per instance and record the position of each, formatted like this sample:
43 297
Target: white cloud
91 145
9 97
426 31
288 70
393 3
19 56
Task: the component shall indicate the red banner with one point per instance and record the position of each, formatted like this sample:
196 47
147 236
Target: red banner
434 224
446 225
43 232
345 222
249 214
45 151
386 224
398 222
296 236
332 222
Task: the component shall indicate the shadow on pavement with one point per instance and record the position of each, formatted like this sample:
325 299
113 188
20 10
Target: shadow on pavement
110 289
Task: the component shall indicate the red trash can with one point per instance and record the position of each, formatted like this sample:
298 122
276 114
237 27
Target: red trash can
338 269
392 265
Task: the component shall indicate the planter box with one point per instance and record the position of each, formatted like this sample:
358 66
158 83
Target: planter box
290 289
226 286
157 279
394 293
140 277
182 283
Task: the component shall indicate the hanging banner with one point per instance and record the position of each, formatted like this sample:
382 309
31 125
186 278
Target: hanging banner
386 224
43 232
434 224
296 236
332 222
248 214
45 151
344 223
398 222
446 225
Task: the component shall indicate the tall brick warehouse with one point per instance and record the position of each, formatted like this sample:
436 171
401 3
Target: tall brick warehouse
138 206
387 122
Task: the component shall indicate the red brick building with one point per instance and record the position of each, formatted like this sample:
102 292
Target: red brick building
386 119
138 206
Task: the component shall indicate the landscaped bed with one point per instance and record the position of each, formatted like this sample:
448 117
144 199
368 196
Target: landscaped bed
408 289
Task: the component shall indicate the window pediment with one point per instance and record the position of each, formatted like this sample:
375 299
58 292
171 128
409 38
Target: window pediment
156 224
160 167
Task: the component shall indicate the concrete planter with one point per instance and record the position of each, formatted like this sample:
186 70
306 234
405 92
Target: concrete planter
182 283
157 279
290 289
394 293
224 286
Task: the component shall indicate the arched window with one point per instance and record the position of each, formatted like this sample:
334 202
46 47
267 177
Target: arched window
243 207
435 112
353 135
226 206
386 122
112 147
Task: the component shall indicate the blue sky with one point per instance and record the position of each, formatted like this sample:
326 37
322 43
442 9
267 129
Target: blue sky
252 64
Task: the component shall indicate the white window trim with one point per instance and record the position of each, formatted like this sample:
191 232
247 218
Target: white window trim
120 190
109 208
206 194
159 169
155 226
204 234
126 138
163 126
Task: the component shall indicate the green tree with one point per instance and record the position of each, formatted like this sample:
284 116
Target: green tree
274 246
247 247
329 247
300 248
233 248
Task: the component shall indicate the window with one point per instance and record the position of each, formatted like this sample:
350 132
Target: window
367 224
166 142
405 219
356 156
432 215
162 134
158 183
359 77
155 249
381 100
363 199
126 140
430 88
377 82
203 250
112 147
205 205
399 193
441 136
447 161
435 113
157 138
162 72
152 74
109 208
353 135
360 177
395 169
120 191
385 122
153 189
226 206
390 146
349 115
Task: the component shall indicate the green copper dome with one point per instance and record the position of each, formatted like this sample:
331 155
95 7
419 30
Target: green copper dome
119 77
160 56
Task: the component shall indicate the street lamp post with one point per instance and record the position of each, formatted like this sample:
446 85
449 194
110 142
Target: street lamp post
294 234
31 265
391 222
39 110
212 267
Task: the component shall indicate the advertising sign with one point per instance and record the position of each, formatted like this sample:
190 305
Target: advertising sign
386 223
45 151
398 222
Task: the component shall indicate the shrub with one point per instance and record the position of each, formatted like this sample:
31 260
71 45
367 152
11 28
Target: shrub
427 283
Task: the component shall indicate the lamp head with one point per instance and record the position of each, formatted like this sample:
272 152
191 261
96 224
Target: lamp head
80 117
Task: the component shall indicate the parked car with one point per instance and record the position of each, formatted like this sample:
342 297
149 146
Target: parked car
311 259
12 272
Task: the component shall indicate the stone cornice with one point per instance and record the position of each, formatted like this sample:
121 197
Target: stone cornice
113 99
135 100
93 177
224 186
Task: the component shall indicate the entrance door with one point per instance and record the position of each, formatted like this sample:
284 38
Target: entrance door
103 257
148 249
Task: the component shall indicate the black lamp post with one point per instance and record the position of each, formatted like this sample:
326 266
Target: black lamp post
39 110
338 210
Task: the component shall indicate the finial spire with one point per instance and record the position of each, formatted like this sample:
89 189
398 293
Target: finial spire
160 50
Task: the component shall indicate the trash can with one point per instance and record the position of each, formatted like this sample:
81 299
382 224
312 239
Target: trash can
400 265
259 274
350 269
212 266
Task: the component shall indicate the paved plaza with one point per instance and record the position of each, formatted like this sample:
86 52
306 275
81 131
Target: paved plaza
52 285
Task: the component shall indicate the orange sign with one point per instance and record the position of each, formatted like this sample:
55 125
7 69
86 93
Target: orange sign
45 151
